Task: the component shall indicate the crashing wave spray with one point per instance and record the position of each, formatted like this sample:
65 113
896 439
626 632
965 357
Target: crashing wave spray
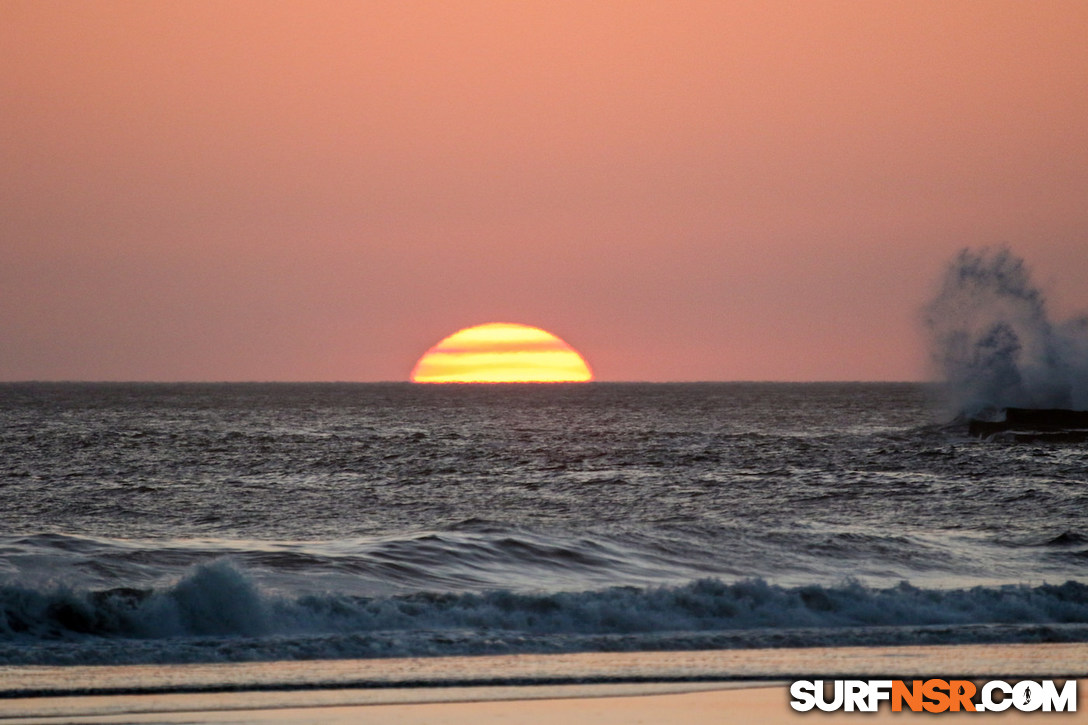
994 343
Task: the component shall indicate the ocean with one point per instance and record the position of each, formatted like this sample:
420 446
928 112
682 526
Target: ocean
219 523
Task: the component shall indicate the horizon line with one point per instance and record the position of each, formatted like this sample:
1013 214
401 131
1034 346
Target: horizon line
74 381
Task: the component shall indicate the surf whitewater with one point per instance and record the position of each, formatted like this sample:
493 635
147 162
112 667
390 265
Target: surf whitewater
216 613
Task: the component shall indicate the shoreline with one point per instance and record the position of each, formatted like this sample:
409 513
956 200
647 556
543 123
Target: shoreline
766 703
293 691
579 668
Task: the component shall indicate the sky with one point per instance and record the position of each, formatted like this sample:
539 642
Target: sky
321 191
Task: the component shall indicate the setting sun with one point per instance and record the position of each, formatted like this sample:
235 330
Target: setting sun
501 352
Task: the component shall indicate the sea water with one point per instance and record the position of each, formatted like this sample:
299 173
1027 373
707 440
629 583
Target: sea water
147 523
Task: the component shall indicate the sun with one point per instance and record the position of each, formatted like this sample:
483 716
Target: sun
501 352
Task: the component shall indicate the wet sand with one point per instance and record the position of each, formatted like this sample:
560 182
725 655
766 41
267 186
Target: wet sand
748 704
727 686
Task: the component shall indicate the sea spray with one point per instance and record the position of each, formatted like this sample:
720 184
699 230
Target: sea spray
994 343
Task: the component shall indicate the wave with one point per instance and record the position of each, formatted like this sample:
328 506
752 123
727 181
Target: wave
480 556
473 555
217 612
995 343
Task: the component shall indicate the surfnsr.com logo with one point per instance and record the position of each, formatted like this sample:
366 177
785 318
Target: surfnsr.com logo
934 695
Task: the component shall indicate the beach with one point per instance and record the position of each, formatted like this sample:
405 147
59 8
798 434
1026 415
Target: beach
688 687
765 703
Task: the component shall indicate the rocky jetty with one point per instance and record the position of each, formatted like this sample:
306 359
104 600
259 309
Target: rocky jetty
1034 425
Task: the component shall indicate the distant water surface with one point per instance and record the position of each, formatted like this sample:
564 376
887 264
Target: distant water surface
168 523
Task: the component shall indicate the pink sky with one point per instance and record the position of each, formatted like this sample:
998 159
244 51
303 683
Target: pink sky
680 190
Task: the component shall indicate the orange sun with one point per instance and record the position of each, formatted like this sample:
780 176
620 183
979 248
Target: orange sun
501 352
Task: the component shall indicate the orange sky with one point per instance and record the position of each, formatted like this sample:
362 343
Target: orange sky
680 190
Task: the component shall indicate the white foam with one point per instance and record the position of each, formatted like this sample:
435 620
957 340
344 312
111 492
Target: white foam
217 606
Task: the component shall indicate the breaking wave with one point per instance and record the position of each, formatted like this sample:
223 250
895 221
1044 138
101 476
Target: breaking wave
994 343
216 612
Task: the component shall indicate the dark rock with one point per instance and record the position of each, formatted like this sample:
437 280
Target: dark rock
1035 425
